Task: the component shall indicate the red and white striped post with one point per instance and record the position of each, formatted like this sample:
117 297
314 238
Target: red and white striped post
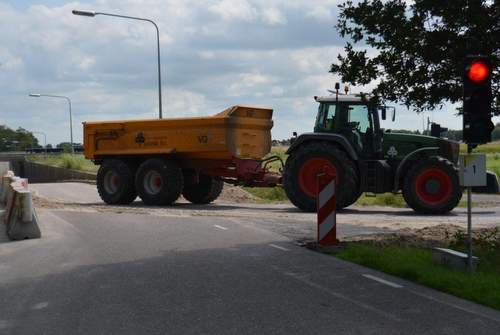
327 213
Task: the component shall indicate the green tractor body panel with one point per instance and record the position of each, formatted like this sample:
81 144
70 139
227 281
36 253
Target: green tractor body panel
397 146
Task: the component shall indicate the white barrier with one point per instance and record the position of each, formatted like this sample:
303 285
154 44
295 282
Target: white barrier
20 215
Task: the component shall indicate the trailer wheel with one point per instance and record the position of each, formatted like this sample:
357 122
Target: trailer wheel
115 182
302 167
432 186
159 182
205 191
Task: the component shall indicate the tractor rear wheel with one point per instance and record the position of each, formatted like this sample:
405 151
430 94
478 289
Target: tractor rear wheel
206 190
304 164
432 186
159 182
115 182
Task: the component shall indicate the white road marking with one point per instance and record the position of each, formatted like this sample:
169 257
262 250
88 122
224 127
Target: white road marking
40 305
303 279
490 317
278 247
383 281
220 227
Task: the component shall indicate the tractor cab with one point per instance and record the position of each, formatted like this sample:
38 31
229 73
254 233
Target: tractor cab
355 119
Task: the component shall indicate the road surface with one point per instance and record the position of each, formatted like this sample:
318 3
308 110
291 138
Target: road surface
284 219
103 272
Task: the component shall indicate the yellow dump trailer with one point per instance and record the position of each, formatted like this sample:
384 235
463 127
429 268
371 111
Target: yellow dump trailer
161 159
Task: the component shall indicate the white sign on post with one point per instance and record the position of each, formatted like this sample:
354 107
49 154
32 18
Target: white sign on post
472 170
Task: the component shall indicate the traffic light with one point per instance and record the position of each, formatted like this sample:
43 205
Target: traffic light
478 98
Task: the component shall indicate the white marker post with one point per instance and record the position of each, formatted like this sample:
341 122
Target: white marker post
472 173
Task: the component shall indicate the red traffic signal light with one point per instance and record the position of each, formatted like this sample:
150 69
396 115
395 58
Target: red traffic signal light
478 99
478 71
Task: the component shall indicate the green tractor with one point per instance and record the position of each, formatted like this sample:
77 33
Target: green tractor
349 145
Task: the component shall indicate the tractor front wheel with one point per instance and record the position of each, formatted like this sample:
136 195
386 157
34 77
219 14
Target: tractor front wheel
432 186
300 178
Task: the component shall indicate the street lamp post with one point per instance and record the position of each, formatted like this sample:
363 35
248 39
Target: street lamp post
44 139
37 95
93 14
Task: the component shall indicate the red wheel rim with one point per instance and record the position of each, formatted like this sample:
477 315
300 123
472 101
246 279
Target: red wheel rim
158 182
308 174
433 186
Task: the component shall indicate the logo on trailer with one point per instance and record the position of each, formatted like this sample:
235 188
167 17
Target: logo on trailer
203 139
392 152
140 138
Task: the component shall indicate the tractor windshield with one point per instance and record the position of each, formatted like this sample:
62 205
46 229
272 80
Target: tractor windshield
346 115
351 119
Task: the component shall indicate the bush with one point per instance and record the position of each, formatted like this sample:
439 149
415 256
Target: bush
73 162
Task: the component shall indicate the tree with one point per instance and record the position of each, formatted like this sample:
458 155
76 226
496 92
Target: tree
16 140
66 146
419 48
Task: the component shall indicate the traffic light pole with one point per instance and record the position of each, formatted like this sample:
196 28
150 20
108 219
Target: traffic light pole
469 220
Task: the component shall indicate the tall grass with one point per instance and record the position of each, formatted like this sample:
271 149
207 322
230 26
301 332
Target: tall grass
68 161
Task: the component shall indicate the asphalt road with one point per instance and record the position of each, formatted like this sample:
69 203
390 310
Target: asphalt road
107 273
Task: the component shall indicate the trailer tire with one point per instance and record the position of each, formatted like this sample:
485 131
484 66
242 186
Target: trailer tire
309 159
432 186
205 191
159 182
115 182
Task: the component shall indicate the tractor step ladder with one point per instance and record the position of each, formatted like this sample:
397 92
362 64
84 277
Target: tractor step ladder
371 176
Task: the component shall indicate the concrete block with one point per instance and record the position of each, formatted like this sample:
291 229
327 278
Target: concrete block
4 167
9 203
23 221
6 180
454 259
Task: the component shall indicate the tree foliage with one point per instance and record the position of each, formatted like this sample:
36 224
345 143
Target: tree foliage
417 48
16 140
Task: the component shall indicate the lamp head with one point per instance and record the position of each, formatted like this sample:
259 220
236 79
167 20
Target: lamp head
83 12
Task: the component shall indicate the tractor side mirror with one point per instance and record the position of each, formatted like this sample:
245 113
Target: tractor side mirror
393 110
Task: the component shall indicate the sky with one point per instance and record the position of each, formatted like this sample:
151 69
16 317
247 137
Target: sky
214 54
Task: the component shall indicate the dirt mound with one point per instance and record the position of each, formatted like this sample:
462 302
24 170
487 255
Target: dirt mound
235 194
434 236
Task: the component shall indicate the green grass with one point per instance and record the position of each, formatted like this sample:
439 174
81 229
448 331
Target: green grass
268 194
416 264
385 199
493 163
490 148
68 161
